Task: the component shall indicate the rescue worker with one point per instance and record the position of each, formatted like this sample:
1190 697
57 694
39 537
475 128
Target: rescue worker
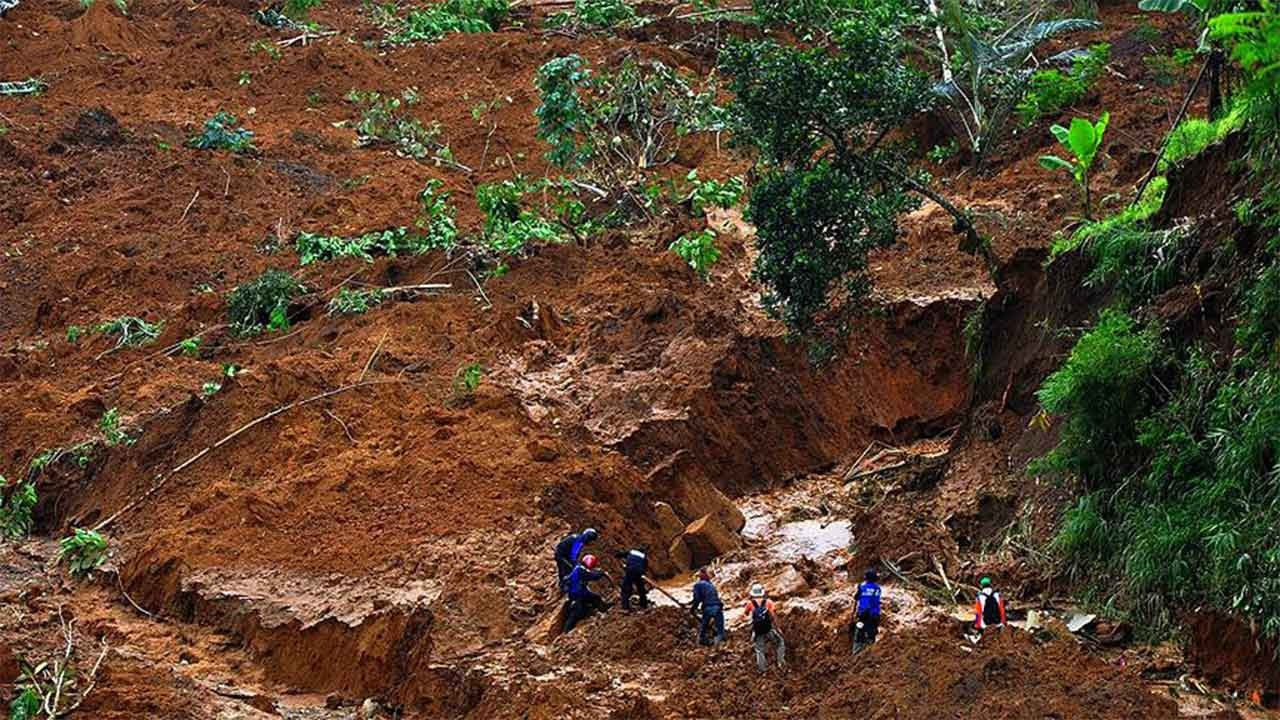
706 606
867 621
764 628
634 564
582 602
568 551
989 608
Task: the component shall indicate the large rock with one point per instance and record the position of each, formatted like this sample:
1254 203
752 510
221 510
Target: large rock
707 538
669 523
681 558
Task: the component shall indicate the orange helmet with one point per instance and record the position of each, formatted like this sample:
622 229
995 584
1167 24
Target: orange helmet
589 562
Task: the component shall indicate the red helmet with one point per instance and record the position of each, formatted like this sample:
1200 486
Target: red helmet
589 562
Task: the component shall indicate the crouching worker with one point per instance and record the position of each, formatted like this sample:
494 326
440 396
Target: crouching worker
764 628
707 600
634 564
582 602
867 620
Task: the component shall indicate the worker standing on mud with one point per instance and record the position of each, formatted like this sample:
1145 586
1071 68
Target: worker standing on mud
764 628
867 620
634 564
707 600
582 602
568 551
989 608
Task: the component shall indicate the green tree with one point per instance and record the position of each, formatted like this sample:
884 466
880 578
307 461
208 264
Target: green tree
830 188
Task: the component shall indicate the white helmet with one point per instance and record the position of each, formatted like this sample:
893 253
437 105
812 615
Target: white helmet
757 591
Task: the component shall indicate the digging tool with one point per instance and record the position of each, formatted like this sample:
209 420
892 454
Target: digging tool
657 587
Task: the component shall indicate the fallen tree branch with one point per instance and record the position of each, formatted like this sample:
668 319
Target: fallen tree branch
161 480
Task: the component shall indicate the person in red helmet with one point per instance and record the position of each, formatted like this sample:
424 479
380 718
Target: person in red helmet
582 602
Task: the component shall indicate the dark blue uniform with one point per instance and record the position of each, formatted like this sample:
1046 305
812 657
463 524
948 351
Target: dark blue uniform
581 600
635 563
707 599
868 622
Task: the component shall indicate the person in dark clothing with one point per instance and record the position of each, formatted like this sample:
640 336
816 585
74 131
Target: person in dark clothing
582 602
568 551
988 608
634 563
707 600
867 621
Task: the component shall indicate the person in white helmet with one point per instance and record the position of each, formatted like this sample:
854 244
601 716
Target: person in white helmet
764 628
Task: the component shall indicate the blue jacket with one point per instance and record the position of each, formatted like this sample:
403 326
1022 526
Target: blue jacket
569 550
869 598
579 580
635 561
705 596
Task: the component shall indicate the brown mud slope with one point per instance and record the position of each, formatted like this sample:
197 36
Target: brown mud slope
394 540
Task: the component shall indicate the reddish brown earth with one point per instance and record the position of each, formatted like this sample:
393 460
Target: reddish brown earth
388 543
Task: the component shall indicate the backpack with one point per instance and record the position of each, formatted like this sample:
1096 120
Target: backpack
761 619
991 610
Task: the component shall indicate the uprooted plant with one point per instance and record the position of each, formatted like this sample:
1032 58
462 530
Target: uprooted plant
263 303
830 187
521 212
433 22
55 687
130 331
594 15
386 120
83 551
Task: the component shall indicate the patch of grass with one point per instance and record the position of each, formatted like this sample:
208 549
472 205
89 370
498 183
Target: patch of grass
595 15
220 133
1193 135
74 333
433 22
1051 91
263 303
974 334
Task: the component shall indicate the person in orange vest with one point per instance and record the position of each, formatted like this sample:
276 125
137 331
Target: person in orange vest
764 628
989 607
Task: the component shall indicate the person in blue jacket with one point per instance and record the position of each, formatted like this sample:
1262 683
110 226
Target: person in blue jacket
582 602
867 621
568 551
707 600
634 563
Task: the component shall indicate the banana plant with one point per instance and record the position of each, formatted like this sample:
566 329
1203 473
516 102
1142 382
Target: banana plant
1083 139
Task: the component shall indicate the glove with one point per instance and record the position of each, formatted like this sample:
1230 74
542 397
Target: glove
859 626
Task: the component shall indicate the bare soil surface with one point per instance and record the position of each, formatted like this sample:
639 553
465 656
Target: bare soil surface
391 543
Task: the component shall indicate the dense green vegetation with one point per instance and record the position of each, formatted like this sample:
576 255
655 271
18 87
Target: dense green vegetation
1177 444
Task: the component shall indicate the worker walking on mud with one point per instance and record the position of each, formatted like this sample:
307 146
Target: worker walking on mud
634 564
582 602
568 551
867 621
706 606
989 608
764 628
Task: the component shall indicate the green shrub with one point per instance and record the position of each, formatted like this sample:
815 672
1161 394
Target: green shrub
513 222
704 194
221 133
84 551
313 247
617 122
190 346
1101 391
16 509
74 333
349 301
298 9
451 16
436 217
1051 91
263 303
698 249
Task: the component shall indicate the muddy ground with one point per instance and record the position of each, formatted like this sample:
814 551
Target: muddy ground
390 545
